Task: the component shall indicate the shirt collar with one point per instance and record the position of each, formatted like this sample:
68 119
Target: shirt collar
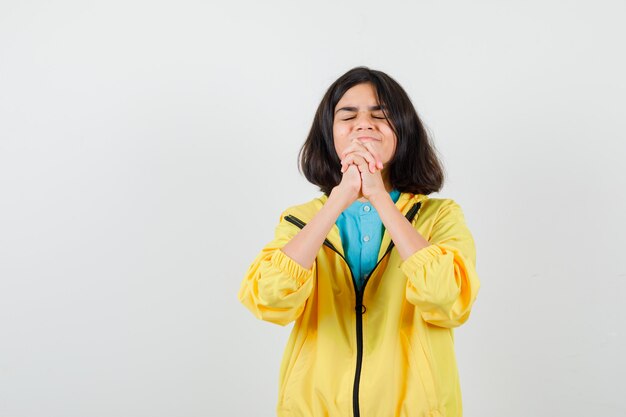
356 206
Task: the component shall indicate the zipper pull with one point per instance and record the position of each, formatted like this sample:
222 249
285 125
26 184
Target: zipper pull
360 308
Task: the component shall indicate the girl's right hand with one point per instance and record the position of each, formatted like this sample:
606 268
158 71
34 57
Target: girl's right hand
349 189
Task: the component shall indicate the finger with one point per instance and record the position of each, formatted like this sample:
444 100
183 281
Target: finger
346 165
354 146
367 156
372 149
371 161
348 150
365 167
347 161
348 168
365 146
361 162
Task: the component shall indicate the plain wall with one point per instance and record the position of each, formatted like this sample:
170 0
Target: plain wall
147 149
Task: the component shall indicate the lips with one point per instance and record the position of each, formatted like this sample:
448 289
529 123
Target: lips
368 139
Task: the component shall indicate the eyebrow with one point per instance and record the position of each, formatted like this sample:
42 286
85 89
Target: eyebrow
352 108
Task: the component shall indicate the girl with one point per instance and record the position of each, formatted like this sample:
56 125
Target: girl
375 274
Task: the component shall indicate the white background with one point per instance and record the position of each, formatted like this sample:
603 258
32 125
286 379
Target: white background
147 149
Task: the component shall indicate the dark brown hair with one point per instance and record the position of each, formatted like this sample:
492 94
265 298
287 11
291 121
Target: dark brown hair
414 167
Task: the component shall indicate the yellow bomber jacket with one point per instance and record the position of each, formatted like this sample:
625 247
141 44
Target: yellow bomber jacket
384 351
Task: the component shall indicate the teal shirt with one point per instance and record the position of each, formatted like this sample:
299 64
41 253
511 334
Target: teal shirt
361 231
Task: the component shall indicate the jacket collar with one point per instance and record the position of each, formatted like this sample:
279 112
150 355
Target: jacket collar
305 212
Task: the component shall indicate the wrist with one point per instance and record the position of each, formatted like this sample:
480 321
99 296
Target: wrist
335 203
379 197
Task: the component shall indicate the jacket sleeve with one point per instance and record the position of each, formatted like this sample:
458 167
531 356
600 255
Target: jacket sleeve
275 287
441 278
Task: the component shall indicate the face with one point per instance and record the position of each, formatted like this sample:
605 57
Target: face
358 115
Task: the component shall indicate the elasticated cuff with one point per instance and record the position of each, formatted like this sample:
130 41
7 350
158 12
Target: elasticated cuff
420 258
290 267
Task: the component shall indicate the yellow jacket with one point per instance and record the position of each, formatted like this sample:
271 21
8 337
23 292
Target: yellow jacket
387 351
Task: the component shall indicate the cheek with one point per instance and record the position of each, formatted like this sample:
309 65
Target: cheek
340 132
390 150
340 137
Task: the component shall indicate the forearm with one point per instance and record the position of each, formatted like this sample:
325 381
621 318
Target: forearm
405 238
304 246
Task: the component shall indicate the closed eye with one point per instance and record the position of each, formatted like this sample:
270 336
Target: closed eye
350 118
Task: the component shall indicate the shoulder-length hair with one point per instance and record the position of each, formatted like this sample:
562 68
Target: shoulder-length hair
414 167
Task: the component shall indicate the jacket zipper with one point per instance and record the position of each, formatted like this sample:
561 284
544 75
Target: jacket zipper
359 308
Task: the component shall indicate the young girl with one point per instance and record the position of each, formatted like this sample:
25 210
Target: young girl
375 274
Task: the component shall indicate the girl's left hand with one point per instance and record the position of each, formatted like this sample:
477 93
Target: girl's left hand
365 156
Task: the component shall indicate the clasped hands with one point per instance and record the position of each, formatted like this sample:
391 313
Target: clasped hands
364 157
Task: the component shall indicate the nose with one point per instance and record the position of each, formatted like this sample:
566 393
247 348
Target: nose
364 121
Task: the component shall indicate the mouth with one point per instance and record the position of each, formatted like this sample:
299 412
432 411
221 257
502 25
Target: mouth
368 139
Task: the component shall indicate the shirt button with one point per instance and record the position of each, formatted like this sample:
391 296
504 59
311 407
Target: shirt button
366 208
366 238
